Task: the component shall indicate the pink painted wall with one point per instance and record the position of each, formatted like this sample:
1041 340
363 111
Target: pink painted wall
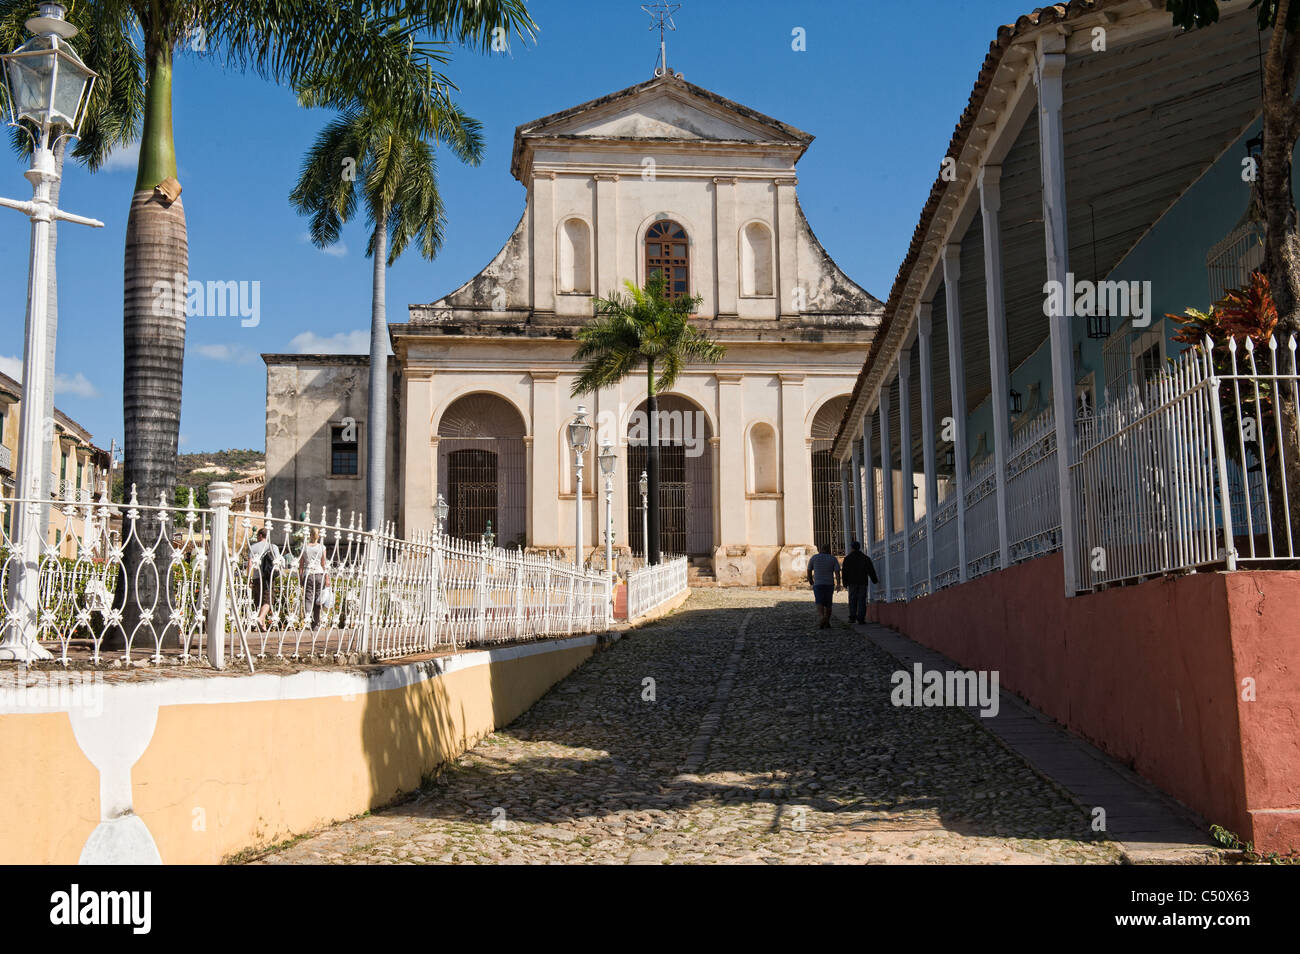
1149 673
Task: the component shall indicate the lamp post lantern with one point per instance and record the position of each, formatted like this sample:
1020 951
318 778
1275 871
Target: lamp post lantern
441 509
608 462
644 486
46 89
579 436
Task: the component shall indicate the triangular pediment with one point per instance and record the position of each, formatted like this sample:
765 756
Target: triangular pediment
664 109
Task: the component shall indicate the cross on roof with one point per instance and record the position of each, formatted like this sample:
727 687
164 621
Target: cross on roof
661 12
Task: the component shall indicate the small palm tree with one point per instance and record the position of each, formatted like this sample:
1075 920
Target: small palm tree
369 156
647 327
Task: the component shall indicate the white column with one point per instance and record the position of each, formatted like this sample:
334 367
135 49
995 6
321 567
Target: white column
905 461
868 490
995 296
846 492
857 489
957 387
1051 145
886 485
924 329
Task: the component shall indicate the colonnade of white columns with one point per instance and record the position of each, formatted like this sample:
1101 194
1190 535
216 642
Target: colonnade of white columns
860 477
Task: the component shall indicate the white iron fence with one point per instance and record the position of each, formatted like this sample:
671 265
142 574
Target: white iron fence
1192 469
1034 491
162 583
652 586
1197 468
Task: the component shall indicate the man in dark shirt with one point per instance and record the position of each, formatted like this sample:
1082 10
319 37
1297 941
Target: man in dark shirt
858 570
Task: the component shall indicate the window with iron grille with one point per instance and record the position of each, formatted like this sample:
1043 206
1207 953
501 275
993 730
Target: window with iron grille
343 453
667 254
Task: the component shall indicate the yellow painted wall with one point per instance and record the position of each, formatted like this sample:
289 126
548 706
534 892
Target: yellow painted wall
219 778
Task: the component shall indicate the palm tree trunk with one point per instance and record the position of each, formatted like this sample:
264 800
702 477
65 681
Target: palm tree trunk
156 272
377 400
47 399
652 465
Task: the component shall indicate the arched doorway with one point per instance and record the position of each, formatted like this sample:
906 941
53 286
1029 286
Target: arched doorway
685 477
828 516
482 468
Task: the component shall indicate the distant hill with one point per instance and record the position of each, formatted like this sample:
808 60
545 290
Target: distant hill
199 470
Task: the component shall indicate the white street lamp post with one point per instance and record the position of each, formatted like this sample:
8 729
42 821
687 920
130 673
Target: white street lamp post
579 435
608 461
46 90
644 486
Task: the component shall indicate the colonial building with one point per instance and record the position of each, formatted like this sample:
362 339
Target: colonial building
79 469
662 177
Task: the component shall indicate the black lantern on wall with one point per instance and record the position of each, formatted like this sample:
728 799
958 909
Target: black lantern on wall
1017 402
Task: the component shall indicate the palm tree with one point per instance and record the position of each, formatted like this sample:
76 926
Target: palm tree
112 120
369 155
365 49
643 326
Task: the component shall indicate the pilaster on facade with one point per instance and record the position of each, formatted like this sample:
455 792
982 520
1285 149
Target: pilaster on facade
886 485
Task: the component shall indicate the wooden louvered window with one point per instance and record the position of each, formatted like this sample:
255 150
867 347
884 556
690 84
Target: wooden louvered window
667 254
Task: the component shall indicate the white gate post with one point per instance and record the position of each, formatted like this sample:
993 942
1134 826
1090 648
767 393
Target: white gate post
220 495
481 598
368 590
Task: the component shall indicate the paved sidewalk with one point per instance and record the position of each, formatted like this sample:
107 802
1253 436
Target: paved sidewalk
730 732
1148 826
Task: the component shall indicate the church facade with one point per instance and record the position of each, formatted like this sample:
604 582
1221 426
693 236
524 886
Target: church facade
660 178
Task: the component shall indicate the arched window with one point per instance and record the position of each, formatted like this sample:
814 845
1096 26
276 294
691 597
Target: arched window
756 260
667 254
762 459
575 257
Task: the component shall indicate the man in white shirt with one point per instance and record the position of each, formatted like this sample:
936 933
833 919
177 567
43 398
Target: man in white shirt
824 578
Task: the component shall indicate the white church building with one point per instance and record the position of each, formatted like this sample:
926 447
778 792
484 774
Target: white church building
662 177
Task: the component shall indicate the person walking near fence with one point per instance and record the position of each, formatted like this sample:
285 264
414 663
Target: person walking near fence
263 563
311 569
858 572
824 577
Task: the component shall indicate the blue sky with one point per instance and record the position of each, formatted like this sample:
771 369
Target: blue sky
881 85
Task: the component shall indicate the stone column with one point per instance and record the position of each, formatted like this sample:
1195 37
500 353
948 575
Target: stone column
544 242
1051 144
957 387
990 205
787 277
606 235
544 476
726 277
924 330
796 482
420 472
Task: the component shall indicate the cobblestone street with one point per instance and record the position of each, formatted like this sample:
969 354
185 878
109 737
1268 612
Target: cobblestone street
760 740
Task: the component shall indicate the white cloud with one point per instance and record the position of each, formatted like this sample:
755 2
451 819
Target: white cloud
345 342
123 159
77 384
220 352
